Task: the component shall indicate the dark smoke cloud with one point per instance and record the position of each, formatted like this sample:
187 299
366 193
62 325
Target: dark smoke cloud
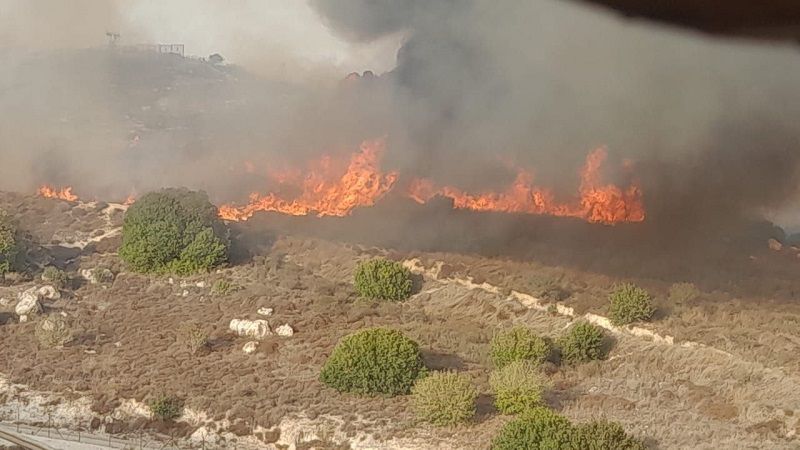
542 82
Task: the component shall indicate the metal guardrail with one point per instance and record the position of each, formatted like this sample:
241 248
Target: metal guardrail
22 441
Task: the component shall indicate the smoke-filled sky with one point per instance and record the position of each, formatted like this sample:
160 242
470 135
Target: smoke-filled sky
467 88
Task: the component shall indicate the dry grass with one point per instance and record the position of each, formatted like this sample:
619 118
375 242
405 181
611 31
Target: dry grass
680 397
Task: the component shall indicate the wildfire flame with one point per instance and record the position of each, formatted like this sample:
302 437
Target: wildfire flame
64 193
597 202
325 192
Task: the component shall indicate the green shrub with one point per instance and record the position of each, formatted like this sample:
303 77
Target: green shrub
383 280
517 344
630 303
604 435
166 407
192 337
444 398
8 242
223 287
683 292
374 361
173 230
54 276
517 387
539 428
53 331
583 342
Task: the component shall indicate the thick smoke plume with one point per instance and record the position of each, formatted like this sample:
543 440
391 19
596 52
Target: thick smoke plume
710 123
478 89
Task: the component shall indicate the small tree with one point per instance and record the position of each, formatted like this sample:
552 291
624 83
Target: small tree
517 344
517 387
374 361
583 342
444 398
8 242
383 280
630 303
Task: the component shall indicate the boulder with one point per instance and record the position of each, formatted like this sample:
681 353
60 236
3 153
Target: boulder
98 275
774 245
284 330
28 304
256 329
48 292
264 311
250 347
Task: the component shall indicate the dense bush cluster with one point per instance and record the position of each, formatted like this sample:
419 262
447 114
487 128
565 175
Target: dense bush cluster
166 407
374 361
383 280
173 230
517 344
8 242
542 428
630 303
444 398
583 342
517 387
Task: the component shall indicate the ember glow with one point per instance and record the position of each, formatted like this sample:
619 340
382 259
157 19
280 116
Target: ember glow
64 193
324 190
596 202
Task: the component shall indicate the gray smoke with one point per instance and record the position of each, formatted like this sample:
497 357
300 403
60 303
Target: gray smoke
710 122
479 87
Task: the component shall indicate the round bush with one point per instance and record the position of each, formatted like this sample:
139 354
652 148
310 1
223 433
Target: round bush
374 361
683 292
517 387
583 342
604 435
173 230
383 280
517 344
444 398
539 428
8 242
630 303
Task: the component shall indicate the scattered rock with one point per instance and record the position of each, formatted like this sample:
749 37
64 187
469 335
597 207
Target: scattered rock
48 292
185 293
4 302
98 275
257 329
284 330
265 311
201 284
774 245
250 347
28 304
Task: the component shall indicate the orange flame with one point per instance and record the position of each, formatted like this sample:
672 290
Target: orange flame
65 193
131 199
324 192
597 203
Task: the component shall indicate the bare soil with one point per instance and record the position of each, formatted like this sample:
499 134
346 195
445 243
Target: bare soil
742 393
